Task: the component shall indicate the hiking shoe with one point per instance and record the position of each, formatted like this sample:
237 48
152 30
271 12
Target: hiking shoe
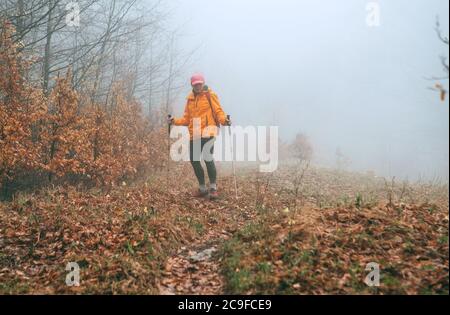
200 193
213 194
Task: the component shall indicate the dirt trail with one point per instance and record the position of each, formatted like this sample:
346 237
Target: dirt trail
195 270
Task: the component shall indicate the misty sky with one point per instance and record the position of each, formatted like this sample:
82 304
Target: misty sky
314 66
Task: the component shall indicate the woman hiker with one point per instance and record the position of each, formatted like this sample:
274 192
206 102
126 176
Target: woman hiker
203 109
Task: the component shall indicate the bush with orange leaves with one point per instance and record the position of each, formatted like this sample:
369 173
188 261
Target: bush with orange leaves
21 107
118 140
63 134
60 136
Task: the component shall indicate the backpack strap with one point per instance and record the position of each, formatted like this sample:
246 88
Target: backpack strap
208 96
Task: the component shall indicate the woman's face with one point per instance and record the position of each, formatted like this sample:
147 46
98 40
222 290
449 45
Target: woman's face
198 87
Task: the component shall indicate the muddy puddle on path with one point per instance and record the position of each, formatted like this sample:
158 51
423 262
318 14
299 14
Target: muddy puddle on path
195 270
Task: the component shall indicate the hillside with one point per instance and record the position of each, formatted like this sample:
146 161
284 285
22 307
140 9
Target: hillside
150 238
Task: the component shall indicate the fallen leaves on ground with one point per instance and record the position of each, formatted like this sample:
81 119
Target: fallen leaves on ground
150 238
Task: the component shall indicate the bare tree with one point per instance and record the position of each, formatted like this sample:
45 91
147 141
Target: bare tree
342 161
116 40
444 61
302 151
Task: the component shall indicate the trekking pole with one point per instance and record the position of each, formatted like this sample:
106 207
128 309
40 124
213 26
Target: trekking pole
232 159
168 149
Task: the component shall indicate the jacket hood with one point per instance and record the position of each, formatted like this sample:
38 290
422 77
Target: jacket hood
205 89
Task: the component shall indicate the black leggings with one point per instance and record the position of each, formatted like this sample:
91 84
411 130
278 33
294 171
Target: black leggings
196 153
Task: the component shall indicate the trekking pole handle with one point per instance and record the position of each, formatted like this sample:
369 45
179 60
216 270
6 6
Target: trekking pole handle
169 118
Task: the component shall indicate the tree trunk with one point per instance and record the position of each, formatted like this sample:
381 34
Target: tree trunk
47 53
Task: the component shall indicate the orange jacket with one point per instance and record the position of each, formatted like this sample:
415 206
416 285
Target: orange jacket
198 107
